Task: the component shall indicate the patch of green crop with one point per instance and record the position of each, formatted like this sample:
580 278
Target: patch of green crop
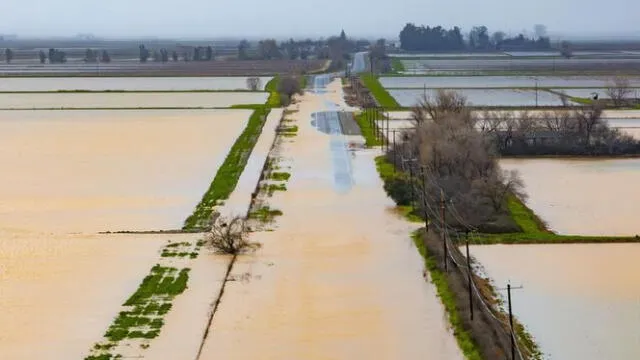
265 214
280 176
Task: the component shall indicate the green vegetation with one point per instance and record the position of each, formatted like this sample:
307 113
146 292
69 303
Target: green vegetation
279 176
379 92
274 96
534 230
368 132
272 188
288 131
397 65
142 317
439 280
265 214
227 176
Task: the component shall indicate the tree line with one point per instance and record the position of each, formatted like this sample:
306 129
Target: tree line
437 38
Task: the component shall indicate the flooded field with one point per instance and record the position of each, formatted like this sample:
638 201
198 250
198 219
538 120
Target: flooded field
99 170
129 100
59 293
339 278
583 196
127 83
420 82
580 301
484 97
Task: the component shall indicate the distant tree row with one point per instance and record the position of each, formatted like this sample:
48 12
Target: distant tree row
426 38
199 53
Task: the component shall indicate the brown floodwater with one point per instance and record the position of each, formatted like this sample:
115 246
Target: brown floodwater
339 278
59 293
89 171
129 100
583 196
580 301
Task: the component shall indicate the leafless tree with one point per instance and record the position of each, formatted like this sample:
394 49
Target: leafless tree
619 89
254 83
230 236
287 87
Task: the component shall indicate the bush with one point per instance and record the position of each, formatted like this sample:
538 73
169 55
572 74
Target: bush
399 189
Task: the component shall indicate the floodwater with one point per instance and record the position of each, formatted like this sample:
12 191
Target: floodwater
97 170
127 83
59 293
483 97
128 100
580 301
467 82
583 196
339 278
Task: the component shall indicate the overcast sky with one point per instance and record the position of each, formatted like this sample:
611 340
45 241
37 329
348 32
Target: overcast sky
278 18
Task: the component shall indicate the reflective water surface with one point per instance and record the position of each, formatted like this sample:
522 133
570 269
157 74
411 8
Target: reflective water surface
580 301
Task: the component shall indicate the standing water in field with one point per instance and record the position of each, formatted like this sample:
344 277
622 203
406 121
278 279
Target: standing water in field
583 196
579 301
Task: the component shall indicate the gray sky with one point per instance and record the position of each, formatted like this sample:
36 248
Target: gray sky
260 18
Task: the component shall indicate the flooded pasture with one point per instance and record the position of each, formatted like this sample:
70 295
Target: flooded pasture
579 301
129 100
99 170
483 97
59 293
467 82
582 196
127 83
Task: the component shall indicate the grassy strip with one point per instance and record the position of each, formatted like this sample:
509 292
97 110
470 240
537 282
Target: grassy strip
439 280
228 174
397 65
279 176
265 214
379 92
534 230
368 132
274 95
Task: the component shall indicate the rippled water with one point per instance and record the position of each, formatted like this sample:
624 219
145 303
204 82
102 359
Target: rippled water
583 196
578 301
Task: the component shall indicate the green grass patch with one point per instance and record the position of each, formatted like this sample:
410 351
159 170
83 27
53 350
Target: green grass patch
397 65
265 214
379 92
274 96
439 280
228 174
368 132
272 188
279 176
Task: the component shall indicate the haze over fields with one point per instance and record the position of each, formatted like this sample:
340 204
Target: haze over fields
248 18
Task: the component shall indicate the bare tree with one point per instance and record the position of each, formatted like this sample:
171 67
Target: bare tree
230 236
287 87
619 90
254 83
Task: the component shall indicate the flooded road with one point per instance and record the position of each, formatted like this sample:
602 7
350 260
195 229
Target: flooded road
580 301
583 196
89 171
339 278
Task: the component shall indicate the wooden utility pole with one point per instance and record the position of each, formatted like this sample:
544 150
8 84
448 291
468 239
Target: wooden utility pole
470 279
512 331
442 230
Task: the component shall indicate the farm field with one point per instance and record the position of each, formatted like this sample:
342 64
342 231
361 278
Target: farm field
484 97
69 174
126 84
129 100
499 82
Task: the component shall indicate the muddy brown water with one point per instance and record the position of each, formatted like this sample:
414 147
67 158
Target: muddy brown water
109 171
339 278
583 196
580 301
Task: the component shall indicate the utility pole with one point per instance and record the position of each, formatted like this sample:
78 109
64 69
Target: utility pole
470 279
395 152
424 199
513 334
442 230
